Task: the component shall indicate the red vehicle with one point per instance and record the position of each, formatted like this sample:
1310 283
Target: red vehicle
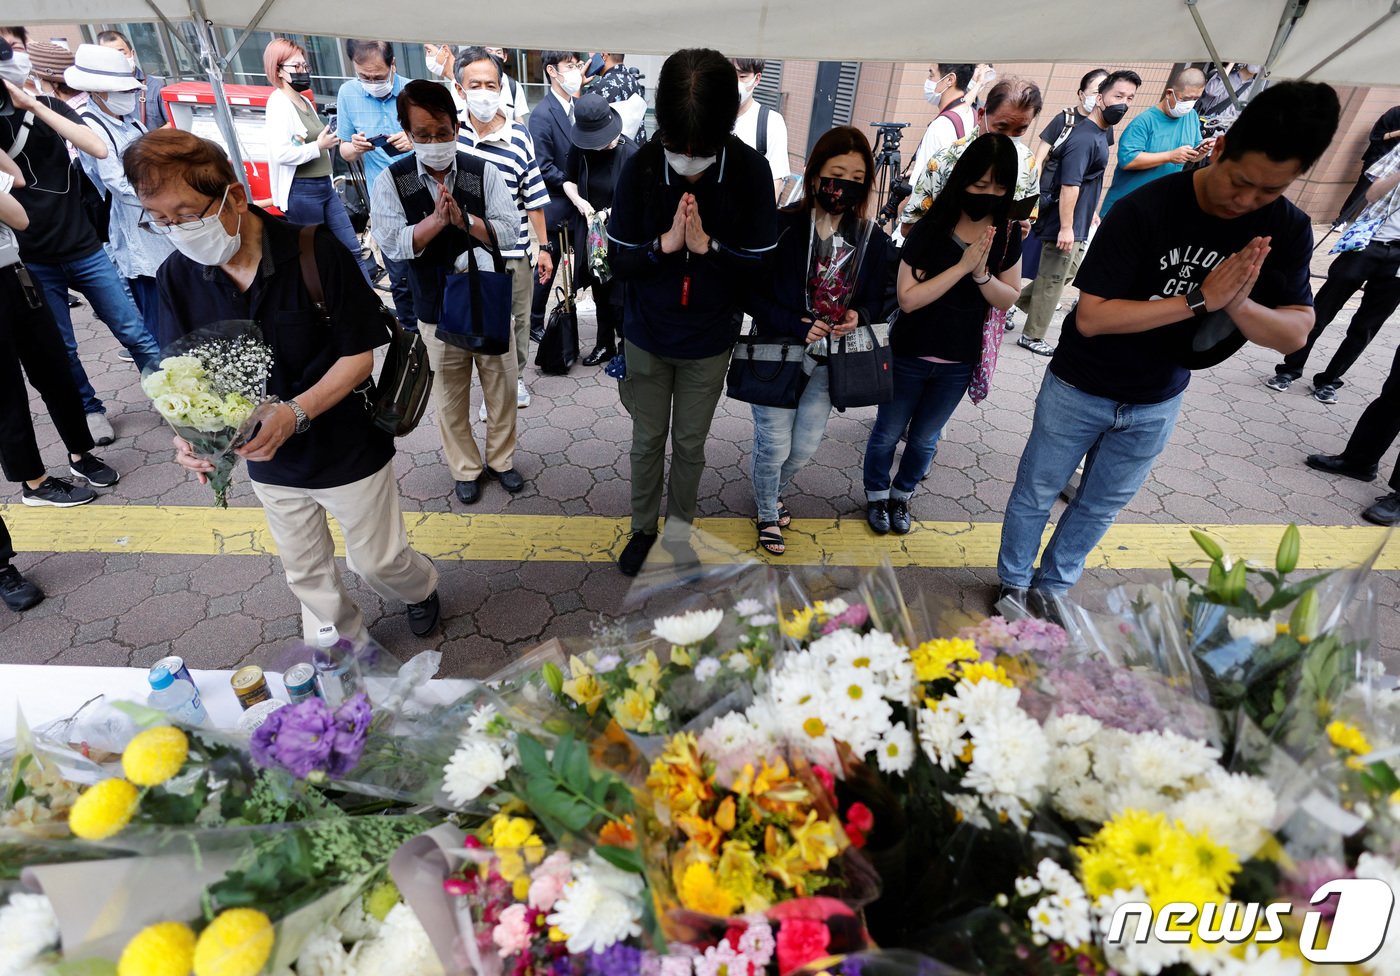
190 106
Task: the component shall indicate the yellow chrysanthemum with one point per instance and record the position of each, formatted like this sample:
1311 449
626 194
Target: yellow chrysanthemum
237 943
163 949
934 659
104 810
1348 737
155 755
700 891
984 671
799 624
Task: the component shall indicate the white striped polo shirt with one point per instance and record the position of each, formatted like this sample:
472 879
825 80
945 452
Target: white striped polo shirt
511 150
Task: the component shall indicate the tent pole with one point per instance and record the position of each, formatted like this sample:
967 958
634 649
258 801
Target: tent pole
173 31
252 26
214 66
1394 9
1291 13
1214 54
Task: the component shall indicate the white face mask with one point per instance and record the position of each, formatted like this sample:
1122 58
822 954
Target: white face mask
571 81
131 63
121 103
378 89
1181 107
746 91
16 70
436 68
1089 102
483 103
688 165
207 242
436 155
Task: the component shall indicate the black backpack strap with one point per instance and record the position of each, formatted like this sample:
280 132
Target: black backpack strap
310 273
761 142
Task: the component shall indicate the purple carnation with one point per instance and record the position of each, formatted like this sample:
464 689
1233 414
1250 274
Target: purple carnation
308 737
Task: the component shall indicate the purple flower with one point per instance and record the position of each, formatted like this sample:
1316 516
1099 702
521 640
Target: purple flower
617 959
352 720
853 618
1307 877
852 967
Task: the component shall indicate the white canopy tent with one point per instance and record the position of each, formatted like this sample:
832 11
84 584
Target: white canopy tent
1340 41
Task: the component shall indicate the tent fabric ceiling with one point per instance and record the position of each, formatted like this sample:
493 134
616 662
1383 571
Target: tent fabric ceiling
874 30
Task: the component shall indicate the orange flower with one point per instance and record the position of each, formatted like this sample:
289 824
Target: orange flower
701 831
618 833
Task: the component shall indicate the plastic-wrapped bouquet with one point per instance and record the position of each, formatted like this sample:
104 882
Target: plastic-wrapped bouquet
209 387
832 266
598 245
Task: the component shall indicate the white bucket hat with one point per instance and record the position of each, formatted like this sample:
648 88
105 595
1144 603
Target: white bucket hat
100 69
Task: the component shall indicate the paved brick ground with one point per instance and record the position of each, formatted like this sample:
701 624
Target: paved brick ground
1236 457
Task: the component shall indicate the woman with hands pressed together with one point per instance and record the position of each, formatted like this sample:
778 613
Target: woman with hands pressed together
317 451
828 227
962 259
693 220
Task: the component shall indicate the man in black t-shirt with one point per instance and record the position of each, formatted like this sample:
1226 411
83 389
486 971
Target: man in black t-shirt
1063 226
316 451
1183 272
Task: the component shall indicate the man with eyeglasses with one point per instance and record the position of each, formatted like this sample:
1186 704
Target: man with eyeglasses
60 246
317 452
368 125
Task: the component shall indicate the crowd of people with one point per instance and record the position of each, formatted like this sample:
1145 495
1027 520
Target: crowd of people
1194 251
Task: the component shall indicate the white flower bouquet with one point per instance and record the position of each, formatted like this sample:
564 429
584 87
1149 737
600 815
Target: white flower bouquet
211 388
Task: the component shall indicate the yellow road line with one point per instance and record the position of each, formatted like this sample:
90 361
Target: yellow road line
571 538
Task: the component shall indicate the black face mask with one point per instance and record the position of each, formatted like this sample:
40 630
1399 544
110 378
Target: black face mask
1113 114
837 196
979 206
301 80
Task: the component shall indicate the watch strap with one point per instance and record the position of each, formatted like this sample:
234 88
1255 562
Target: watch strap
1196 301
303 421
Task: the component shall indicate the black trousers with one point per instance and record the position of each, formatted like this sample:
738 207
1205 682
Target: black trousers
607 298
1375 267
31 346
1378 427
7 548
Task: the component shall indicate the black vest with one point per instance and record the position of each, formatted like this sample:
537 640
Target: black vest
427 273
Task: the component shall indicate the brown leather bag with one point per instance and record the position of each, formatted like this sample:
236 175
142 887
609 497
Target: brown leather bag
401 393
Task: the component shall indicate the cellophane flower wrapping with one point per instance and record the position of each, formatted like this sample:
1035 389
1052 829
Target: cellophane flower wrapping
211 387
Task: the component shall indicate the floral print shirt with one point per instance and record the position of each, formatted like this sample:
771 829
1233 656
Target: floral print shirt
929 183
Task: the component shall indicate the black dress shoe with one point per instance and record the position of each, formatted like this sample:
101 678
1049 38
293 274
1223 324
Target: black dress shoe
877 515
899 516
683 554
536 333
510 480
1386 510
469 492
423 617
1012 594
629 563
1338 464
599 355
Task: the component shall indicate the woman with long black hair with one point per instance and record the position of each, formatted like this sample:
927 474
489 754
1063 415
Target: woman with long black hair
959 262
827 276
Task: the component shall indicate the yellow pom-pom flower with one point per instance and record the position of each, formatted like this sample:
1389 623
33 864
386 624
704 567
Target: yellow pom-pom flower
163 949
155 755
104 810
237 943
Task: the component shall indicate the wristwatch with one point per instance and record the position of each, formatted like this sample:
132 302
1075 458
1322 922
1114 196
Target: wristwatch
303 421
549 247
1196 299
714 247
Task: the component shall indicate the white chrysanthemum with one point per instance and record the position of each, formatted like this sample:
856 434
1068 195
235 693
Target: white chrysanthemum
323 955
1236 809
1130 957
476 766
1083 801
1008 763
984 699
28 928
894 753
482 718
1068 764
355 924
763 620
688 628
402 947
1249 960
1252 629
970 808
1063 913
599 907
1071 729
706 668
1025 887
941 732
748 608
1385 962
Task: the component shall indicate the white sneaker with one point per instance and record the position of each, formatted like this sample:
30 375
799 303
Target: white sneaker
100 428
125 355
522 395
481 414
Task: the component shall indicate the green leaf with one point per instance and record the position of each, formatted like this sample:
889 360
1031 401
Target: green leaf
622 858
533 759
553 677
1385 776
83 967
1287 558
1177 572
1208 545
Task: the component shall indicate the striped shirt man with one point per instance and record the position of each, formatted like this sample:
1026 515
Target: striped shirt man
510 149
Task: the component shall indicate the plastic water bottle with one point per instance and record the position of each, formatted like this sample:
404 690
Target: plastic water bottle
175 697
335 664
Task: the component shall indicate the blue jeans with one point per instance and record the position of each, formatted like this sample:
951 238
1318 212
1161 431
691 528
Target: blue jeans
147 297
925 396
402 292
96 278
785 440
1118 442
313 200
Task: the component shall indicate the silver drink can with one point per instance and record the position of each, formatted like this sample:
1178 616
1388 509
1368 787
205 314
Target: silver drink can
300 680
176 666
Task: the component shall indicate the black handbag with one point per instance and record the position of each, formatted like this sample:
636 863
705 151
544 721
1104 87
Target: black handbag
476 306
557 350
767 371
354 194
860 370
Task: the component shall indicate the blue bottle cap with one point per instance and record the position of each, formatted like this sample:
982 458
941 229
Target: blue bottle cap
160 678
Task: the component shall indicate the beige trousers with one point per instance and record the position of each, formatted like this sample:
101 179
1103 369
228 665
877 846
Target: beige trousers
452 388
376 547
522 291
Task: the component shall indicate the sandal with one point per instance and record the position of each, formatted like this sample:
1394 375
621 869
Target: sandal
770 538
784 516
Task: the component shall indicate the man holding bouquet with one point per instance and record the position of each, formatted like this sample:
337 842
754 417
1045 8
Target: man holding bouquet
317 450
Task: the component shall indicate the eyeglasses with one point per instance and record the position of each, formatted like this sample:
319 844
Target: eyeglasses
187 222
296 65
